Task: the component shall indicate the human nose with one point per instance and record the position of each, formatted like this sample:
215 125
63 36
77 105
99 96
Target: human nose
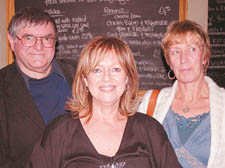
38 44
106 75
184 55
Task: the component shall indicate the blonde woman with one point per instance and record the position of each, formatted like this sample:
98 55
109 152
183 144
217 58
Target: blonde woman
103 129
192 110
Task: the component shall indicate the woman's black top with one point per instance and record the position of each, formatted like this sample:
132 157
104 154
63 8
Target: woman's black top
65 144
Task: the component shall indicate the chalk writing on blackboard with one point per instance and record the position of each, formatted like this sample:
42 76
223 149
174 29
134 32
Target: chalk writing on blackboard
140 23
216 31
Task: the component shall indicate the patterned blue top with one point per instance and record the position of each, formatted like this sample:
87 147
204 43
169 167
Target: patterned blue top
186 126
190 138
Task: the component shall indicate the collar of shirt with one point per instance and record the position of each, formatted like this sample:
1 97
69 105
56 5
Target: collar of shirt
55 69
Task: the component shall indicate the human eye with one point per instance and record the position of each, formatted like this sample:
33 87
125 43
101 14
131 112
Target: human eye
97 70
48 38
192 48
116 69
28 38
174 51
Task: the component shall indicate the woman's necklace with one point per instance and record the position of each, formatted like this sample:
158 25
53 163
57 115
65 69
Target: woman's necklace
186 109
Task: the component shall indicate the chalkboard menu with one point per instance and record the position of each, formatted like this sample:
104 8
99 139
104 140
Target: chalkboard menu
216 30
140 23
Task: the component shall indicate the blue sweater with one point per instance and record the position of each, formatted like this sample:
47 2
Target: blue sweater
50 95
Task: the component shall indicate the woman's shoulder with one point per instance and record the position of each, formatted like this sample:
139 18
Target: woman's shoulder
216 92
61 121
147 123
212 84
143 106
163 91
60 127
149 129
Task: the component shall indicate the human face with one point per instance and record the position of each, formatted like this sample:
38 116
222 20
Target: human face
107 81
186 60
34 61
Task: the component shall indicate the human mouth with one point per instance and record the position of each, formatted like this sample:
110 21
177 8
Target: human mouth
107 88
37 54
185 69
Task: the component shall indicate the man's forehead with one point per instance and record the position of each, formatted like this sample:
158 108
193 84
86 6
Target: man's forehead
41 28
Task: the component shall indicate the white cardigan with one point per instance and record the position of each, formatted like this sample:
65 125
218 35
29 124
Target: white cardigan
217 117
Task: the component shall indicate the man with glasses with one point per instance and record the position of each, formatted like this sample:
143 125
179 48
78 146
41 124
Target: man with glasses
34 88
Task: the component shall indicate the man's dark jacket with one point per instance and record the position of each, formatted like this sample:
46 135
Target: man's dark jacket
21 123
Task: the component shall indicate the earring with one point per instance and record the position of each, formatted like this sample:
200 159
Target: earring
169 75
126 87
87 90
205 66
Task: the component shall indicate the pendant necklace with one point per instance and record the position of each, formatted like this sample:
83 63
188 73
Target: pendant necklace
186 109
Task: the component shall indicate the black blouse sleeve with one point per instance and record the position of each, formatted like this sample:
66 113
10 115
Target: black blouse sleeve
49 148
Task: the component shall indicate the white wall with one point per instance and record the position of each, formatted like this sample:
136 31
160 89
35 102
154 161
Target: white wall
3 38
198 12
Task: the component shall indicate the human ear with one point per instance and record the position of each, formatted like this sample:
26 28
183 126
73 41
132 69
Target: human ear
11 41
204 61
85 81
127 80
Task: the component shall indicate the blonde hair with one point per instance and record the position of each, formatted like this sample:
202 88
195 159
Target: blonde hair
90 57
177 32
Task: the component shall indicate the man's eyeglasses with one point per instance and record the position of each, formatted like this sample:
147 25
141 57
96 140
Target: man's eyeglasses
30 41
